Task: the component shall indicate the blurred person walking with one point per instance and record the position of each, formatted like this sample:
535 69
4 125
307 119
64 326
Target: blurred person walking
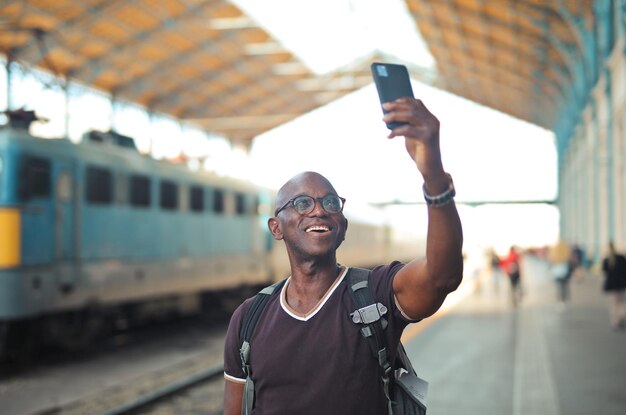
578 262
614 270
560 257
511 266
494 263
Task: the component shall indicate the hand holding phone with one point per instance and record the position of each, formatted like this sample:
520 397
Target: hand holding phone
392 82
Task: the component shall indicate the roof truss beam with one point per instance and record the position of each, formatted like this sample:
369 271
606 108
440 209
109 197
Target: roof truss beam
95 67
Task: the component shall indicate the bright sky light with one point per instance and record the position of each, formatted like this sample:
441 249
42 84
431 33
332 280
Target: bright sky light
327 34
490 155
477 142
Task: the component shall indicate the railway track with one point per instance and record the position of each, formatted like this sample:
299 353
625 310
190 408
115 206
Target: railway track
142 394
158 364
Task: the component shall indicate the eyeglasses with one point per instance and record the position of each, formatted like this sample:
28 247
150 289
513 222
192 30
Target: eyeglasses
305 204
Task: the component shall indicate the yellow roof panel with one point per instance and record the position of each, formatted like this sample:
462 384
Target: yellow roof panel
205 60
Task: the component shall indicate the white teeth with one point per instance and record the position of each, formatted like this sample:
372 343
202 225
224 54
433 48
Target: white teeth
317 228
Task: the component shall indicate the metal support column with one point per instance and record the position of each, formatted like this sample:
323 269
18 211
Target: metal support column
66 114
9 102
595 180
610 182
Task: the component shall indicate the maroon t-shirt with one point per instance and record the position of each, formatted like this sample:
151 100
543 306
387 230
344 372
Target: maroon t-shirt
318 364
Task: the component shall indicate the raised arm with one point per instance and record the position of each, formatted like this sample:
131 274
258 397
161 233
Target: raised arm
423 284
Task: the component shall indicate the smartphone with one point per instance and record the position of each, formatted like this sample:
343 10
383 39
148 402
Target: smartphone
392 82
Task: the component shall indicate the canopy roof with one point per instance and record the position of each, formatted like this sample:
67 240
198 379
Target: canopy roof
206 61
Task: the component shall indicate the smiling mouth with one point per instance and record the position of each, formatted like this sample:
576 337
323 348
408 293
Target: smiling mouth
317 229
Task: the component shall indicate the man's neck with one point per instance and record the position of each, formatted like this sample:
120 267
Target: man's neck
308 286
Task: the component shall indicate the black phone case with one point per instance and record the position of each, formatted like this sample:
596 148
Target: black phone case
392 82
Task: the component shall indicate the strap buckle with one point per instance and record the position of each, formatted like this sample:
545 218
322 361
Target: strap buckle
369 314
244 353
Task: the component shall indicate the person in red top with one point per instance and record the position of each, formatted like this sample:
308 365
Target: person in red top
510 265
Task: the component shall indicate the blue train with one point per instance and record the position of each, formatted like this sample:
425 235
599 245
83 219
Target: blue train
96 229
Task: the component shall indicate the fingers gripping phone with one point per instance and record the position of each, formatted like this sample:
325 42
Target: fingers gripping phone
392 82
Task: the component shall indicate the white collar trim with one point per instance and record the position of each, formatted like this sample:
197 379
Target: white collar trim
320 304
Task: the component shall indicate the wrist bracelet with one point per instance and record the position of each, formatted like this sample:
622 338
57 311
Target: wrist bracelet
441 199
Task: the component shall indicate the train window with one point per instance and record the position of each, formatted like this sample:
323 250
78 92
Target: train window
169 195
196 198
139 191
218 201
240 204
34 178
99 185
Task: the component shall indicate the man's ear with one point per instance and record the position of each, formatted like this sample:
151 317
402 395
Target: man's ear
274 226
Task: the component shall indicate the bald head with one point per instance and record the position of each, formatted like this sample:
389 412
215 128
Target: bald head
305 183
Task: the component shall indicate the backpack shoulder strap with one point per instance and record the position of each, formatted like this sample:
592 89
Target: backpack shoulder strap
256 309
370 314
248 324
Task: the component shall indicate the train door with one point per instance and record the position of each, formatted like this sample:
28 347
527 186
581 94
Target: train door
35 197
65 211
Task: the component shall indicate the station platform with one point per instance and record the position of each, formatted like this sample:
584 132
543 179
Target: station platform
485 356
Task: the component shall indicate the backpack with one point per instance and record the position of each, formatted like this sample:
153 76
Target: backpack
245 334
404 390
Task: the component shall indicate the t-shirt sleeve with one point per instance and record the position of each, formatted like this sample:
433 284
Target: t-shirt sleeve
382 283
232 360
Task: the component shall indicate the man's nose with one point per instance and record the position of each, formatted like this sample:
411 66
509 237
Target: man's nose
318 208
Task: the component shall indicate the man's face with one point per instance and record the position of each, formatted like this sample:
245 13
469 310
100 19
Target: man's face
316 233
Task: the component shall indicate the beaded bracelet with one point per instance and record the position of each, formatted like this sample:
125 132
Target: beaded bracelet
441 199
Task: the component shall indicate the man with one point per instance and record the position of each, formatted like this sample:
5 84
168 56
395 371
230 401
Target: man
307 355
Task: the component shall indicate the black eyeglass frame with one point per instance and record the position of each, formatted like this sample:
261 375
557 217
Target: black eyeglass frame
315 199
